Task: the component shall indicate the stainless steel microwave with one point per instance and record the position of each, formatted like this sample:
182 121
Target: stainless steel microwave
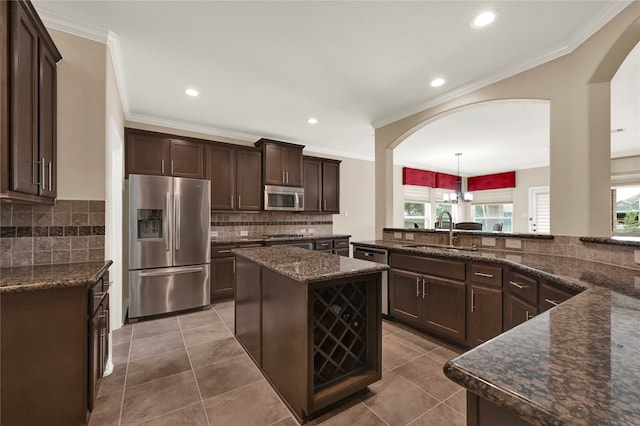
284 198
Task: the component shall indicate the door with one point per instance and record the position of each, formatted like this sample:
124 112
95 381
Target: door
312 185
150 221
406 295
517 311
147 155
23 87
187 159
47 117
331 186
158 291
222 173
248 180
539 210
444 307
192 219
485 314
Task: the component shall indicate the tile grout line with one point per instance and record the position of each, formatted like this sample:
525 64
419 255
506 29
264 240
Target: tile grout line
193 371
454 394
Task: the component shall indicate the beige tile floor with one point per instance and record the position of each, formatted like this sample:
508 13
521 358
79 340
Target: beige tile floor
190 370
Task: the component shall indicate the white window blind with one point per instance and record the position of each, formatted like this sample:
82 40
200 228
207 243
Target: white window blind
541 208
493 196
417 193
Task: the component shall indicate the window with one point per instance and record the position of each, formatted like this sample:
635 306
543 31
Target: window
627 208
492 214
416 214
451 208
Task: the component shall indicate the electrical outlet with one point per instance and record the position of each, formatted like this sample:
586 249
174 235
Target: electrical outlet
244 233
486 241
303 231
397 235
213 234
312 231
636 256
513 243
408 236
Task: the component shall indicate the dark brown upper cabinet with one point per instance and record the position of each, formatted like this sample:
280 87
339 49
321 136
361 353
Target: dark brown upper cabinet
235 175
151 153
281 162
321 185
27 106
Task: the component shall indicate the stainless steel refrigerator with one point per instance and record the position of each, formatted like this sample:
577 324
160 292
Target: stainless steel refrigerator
169 245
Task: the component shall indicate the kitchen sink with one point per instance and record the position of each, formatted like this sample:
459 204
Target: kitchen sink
442 246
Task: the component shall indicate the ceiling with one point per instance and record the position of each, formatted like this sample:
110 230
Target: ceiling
264 67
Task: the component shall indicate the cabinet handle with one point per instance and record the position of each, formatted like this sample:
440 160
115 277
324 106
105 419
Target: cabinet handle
473 300
171 167
528 316
224 251
50 174
108 284
99 295
553 302
42 180
515 284
162 162
287 177
232 199
481 274
423 291
239 202
234 265
417 286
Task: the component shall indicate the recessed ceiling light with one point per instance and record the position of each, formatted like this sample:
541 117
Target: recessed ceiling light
437 82
484 19
191 92
312 120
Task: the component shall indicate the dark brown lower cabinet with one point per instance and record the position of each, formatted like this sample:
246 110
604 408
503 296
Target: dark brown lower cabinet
517 311
481 412
98 347
444 302
222 277
404 292
484 316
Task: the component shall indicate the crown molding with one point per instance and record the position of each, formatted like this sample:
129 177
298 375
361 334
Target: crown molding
72 26
610 10
113 43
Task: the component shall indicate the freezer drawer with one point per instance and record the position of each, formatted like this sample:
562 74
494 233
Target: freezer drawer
163 290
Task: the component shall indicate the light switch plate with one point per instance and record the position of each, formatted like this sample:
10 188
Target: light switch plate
513 243
213 234
397 235
486 241
244 233
303 231
408 236
636 256
312 231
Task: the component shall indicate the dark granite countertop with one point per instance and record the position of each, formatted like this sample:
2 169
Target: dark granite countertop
576 274
308 266
471 232
576 364
222 241
42 277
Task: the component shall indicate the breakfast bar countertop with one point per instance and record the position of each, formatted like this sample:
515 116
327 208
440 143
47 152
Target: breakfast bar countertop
308 266
42 277
574 364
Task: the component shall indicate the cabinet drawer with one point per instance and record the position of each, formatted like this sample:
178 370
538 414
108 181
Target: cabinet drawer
222 251
341 243
322 244
551 296
428 265
526 288
483 274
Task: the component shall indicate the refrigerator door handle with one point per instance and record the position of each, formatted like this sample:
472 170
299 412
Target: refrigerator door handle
177 216
172 271
165 222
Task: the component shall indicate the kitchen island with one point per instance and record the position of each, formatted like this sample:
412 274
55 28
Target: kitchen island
311 322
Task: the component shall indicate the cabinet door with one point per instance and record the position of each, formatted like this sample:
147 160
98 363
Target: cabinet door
341 252
405 293
222 277
47 121
444 307
331 187
147 155
274 164
221 170
484 319
95 364
293 166
23 87
187 159
516 311
104 337
248 180
312 185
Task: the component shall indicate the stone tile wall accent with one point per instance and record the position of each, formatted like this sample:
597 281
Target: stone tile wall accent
68 232
560 245
229 225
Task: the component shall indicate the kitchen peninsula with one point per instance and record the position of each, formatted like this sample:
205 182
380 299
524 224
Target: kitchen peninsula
311 322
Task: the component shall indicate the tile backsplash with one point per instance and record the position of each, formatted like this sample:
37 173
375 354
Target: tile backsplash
233 225
70 231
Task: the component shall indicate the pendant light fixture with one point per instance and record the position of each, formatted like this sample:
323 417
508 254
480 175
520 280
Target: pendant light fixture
458 195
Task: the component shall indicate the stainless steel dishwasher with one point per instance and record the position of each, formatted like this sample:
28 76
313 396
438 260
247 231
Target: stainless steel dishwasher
379 256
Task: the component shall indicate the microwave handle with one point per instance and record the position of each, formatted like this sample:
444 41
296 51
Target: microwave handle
299 203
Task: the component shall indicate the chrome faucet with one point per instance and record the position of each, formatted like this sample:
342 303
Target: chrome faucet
450 225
